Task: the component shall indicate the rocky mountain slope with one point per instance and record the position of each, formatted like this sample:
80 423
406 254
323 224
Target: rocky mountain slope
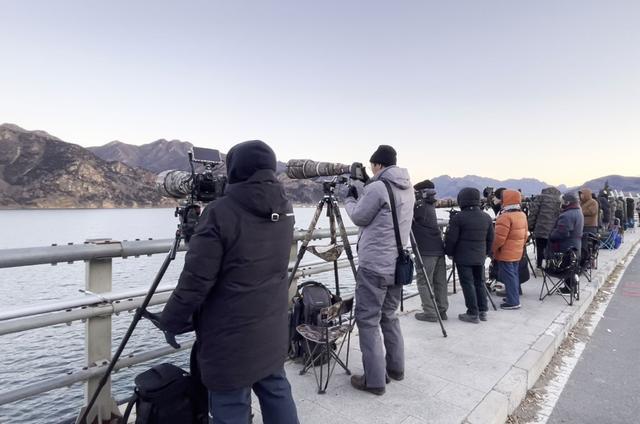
41 171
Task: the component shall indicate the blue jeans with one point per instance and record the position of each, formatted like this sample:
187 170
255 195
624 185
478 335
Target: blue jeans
274 394
508 275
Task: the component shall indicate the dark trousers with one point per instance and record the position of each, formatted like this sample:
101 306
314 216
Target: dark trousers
472 283
274 394
508 275
541 244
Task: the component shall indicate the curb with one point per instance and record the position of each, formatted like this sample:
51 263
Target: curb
512 388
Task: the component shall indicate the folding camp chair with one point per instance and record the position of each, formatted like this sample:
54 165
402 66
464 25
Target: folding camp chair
558 268
328 339
608 241
589 256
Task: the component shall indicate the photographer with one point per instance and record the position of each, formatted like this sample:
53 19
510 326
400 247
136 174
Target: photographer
508 245
233 291
468 241
429 239
543 213
377 294
567 232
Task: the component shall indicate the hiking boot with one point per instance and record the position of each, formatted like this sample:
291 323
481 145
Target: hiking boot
395 375
421 316
469 318
482 316
358 382
564 290
443 316
506 305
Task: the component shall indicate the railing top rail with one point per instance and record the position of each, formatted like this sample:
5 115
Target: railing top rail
105 248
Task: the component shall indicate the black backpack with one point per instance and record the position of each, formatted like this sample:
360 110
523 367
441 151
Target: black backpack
310 298
166 394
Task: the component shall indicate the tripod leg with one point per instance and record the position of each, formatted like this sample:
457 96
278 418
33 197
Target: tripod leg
332 230
533 271
489 296
136 318
344 236
420 268
306 240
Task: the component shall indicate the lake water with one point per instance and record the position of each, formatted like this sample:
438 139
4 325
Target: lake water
32 356
39 354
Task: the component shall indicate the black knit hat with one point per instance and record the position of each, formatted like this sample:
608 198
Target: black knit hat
385 155
424 184
244 159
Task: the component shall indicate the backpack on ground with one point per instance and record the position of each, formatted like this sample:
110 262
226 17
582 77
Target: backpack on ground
166 394
310 298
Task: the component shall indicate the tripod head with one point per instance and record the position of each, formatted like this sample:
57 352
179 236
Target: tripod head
188 214
329 187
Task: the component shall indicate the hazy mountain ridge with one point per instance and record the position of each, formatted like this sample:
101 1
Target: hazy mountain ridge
448 187
41 171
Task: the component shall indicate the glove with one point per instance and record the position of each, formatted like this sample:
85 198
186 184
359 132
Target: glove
155 320
352 192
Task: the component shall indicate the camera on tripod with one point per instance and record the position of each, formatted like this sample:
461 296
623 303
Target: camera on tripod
195 187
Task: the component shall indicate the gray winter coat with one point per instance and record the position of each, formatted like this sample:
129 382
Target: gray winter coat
543 212
377 249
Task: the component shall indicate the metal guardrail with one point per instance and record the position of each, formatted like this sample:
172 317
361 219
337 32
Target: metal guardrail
99 304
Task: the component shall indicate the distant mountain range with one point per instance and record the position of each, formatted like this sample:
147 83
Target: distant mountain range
448 187
38 170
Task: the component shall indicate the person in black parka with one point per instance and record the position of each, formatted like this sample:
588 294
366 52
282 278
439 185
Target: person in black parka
468 241
234 289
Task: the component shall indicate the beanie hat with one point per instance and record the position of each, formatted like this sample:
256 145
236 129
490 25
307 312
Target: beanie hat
570 197
385 155
469 196
424 184
244 159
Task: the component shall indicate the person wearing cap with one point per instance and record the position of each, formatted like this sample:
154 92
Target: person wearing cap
233 292
508 245
377 295
468 243
567 232
429 240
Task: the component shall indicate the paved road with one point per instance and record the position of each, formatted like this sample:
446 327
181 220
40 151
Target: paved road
605 384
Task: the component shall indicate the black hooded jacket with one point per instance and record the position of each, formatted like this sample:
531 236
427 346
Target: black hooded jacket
234 282
606 209
425 226
470 232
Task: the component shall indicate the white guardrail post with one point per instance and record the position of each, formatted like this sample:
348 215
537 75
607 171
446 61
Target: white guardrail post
98 339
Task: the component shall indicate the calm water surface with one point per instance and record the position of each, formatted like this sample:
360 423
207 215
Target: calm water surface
26 358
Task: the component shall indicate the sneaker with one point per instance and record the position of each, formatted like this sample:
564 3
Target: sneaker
395 375
421 316
506 305
359 383
501 293
483 316
469 318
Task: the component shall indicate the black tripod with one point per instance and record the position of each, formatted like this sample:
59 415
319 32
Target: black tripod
185 228
333 212
420 268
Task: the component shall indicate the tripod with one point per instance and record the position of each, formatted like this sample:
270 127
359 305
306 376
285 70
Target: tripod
420 268
186 214
335 217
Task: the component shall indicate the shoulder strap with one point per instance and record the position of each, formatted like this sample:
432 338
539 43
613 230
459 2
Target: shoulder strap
392 204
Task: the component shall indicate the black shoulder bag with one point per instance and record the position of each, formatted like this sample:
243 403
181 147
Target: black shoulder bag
404 263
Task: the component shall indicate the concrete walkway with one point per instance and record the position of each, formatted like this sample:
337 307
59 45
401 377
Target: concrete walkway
478 375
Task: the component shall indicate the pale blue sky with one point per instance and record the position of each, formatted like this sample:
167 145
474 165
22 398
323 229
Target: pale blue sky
545 89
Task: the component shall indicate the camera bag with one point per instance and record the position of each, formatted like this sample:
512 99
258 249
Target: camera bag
310 298
404 263
165 394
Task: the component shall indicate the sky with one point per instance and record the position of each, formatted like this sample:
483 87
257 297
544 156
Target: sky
548 89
